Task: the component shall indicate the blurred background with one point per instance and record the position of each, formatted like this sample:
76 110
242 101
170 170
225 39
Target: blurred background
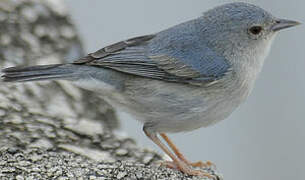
264 138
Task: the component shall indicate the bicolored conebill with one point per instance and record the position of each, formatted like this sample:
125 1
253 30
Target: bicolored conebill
186 77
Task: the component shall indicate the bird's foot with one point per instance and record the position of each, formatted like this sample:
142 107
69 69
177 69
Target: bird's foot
187 170
169 164
201 164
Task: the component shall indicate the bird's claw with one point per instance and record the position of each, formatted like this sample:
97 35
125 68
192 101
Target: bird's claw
187 170
169 164
201 164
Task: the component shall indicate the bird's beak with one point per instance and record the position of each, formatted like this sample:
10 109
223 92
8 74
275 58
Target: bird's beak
283 24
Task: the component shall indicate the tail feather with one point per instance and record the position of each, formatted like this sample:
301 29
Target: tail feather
37 73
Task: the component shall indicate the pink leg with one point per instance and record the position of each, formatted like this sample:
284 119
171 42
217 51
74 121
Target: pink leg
181 156
177 163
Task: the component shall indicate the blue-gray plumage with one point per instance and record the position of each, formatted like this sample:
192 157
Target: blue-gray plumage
180 79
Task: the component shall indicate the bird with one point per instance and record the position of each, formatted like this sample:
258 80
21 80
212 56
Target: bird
188 76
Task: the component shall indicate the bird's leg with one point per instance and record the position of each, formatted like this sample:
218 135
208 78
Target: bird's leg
177 163
181 156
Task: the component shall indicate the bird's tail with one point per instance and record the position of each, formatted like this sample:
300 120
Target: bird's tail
37 73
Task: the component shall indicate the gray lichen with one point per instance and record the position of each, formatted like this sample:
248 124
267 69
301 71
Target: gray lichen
41 164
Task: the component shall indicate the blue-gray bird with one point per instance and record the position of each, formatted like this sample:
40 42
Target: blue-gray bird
186 77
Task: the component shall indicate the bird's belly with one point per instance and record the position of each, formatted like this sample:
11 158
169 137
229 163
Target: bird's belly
173 118
170 107
194 118
175 108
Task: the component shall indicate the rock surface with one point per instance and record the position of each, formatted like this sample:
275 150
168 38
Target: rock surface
53 130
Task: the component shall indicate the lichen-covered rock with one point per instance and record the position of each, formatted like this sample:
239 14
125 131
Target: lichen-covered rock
36 163
53 130
40 32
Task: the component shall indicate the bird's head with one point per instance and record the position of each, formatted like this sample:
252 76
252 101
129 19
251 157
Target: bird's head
241 29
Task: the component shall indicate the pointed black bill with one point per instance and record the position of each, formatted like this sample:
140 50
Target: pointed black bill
284 24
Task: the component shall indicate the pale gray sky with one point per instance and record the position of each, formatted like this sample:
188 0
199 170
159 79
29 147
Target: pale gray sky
264 138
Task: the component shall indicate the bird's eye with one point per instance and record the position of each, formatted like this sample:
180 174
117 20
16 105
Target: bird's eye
255 30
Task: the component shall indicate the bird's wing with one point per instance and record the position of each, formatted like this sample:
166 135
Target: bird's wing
134 56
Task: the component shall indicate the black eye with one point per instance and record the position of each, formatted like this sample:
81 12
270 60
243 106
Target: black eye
256 30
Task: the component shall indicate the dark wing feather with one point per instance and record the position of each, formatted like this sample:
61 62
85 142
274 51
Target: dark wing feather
114 48
134 56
